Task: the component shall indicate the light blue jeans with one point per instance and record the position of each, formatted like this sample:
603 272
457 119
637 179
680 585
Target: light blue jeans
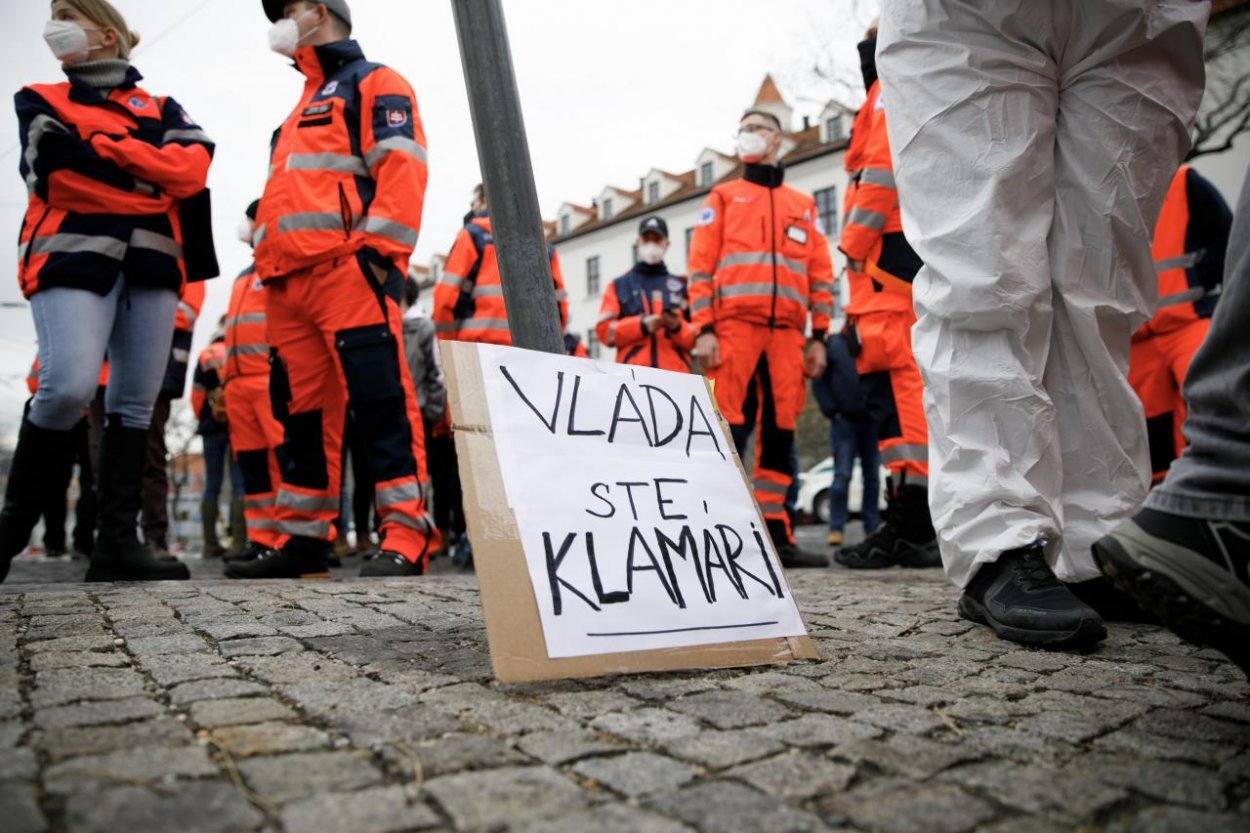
135 325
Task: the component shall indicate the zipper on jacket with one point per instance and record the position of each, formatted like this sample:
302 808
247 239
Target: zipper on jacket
30 247
345 213
772 222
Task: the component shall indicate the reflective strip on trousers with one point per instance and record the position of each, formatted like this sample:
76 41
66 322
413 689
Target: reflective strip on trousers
395 144
261 523
341 162
75 243
1185 261
400 493
1197 293
867 218
247 350
446 326
307 529
189 313
144 239
825 309
878 176
258 502
451 279
246 318
421 523
738 290
488 291
761 259
186 135
700 304
905 453
308 503
771 487
485 324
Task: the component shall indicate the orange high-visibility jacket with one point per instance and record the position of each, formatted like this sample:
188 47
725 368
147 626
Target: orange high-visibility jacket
207 378
646 290
482 316
348 167
1190 240
105 177
872 229
758 254
247 351
190 302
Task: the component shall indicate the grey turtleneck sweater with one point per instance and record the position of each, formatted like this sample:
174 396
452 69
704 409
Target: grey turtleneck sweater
104 75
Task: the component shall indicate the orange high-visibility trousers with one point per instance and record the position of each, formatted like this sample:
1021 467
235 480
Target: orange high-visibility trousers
760 378
255 437
1156 369
336 337
895 392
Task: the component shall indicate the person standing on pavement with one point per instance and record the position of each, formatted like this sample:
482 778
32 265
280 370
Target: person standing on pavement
111 171
759 264
645 312
209 407
1185 555
880 268
852 433
336 225
1033 145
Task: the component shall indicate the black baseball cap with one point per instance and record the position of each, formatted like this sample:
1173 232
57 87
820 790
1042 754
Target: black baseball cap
655 225
339 8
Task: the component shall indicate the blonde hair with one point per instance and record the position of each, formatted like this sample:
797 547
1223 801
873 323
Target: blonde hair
105 15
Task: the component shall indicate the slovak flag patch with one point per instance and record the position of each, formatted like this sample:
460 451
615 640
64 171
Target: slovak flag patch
396 118
137 103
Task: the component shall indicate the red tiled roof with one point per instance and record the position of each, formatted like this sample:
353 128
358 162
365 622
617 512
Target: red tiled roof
769 94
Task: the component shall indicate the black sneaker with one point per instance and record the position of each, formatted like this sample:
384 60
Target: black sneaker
289 562
249 553
1193 573
793 558
390 564
1021 599
887 547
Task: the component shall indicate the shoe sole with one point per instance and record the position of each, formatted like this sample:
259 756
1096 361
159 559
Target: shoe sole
1196 598
1087 633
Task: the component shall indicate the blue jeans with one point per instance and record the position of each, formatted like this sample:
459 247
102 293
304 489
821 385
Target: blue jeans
216 452
135 325
853 438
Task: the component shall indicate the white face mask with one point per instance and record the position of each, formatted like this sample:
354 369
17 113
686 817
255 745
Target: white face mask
284 37
751 147
67 40
650 253
245 231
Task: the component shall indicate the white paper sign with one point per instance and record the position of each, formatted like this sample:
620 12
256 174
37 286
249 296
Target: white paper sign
638 529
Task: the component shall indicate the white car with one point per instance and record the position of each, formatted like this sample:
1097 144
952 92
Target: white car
814 485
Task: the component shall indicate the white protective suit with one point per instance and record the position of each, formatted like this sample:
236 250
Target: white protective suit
1033 145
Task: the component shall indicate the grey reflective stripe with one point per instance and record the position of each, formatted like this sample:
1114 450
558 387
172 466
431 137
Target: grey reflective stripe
739 289
247 350
396 231
561 295
817 286
246 318
189 311
180 354
905 452
308 529
868 219
311 221
144 239
395 144
771 487
452 279
145 188
878 176
261 523
75 243
186 135
39 125
1197 293
258 236
1184 261
761 259
258 502
420 523
827 309
612 334
400 493
700 304
445 326
484 324
341 162
307 503
700 277
487 291
916 480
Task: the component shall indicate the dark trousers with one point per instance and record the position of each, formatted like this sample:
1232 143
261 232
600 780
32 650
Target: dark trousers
851 438
440 453
156 478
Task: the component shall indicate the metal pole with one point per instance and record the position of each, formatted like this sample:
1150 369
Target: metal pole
504 154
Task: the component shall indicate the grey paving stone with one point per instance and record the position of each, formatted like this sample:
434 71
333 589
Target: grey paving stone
719 750
895 807
97 713
509 796
11 732
586 705
202 807
647 726
143 764
900 718
1238 712
1065 793
302 667
67 742
93 642
730 709
795 775
1149 745
1170 781
20 803
77 659
403 725
560 747
906 755
605 818
455 753
283 778
376 810
234 627
771 682
260 646
180 644
214 689
18 765
70 685
1179 820
357 694
170 670
232 712
729 807
635 774
819 730
1173 723
273 738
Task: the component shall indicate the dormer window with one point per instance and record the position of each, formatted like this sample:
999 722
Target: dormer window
606 210
705 173
564 225
653 192
833 129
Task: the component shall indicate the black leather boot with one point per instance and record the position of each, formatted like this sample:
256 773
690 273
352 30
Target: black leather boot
38 467
906 538
119 555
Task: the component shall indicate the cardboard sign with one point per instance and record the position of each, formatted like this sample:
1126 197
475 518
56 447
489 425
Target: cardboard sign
613 528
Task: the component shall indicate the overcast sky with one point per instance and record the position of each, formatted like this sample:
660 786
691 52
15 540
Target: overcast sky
609 89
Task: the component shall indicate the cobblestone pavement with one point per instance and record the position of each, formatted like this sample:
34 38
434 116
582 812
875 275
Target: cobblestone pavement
368 707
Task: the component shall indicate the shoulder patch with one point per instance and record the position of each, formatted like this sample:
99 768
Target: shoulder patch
329 88
396 118
137 102
675 285
707 216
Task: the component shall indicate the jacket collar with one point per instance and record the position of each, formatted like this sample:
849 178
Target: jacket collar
770 176
320 62
651 268
83 93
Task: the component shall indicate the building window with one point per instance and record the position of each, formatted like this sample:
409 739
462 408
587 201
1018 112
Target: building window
653 192
833 128
564 225
705 173
607 209
592 345
592 276
827 208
